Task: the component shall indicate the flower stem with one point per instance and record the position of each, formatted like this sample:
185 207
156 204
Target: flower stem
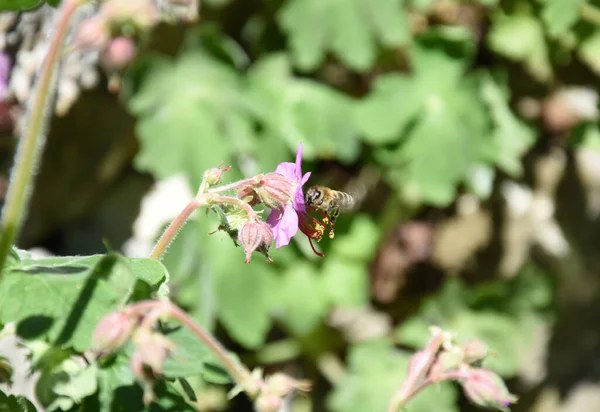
235 185
167 237
32 141
234 200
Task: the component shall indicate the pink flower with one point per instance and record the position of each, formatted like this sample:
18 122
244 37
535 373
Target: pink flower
285 222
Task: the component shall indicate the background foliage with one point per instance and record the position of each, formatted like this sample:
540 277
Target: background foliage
467 131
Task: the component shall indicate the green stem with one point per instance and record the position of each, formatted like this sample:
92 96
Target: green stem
31 143
173 229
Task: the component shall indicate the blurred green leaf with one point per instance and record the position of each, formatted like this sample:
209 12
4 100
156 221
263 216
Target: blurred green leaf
303 111
66 385
360 241
346 282
12 403
82 291
521 38
511 138
348 29
19 5
191 115
244 293
191 357
302 299
376 370
589 50
560 15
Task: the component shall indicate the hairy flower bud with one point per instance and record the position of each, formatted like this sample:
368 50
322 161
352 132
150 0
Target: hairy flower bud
254 234
485 388
282 384
446 361
93 33
214 176
152 349
112 332
119 53
268 402
475 351
275 190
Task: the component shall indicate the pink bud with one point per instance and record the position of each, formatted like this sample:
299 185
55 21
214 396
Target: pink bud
93 33
475 351
282 384
151 349
268 402
446 361
485 388
254 234
119 53
112 332
275 190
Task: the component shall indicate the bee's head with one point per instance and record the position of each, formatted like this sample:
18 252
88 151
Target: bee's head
312 195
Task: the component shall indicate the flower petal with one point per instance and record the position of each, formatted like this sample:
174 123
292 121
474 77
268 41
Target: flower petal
288 169
285 225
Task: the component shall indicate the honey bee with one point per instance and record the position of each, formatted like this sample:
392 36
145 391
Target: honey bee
329 201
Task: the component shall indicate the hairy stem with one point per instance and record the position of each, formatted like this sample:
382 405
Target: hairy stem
32 141
167 237
235 201
235 185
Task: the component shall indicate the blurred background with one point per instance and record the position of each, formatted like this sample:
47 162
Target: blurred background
467 131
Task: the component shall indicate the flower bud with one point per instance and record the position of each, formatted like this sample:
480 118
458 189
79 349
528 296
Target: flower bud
275 190
119 53
254 234
92 33
112 332
445 362
485 388
268 402
152 349
475 351
281 384
214 176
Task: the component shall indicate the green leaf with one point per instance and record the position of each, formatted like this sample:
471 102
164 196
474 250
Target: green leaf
19 5
66 384
244 293
303 111
560 15
191 115
116 380
302 298
521 38
589 50
346 282
360 241
375 370
12 403
348 29
191 357
64 298
511 137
